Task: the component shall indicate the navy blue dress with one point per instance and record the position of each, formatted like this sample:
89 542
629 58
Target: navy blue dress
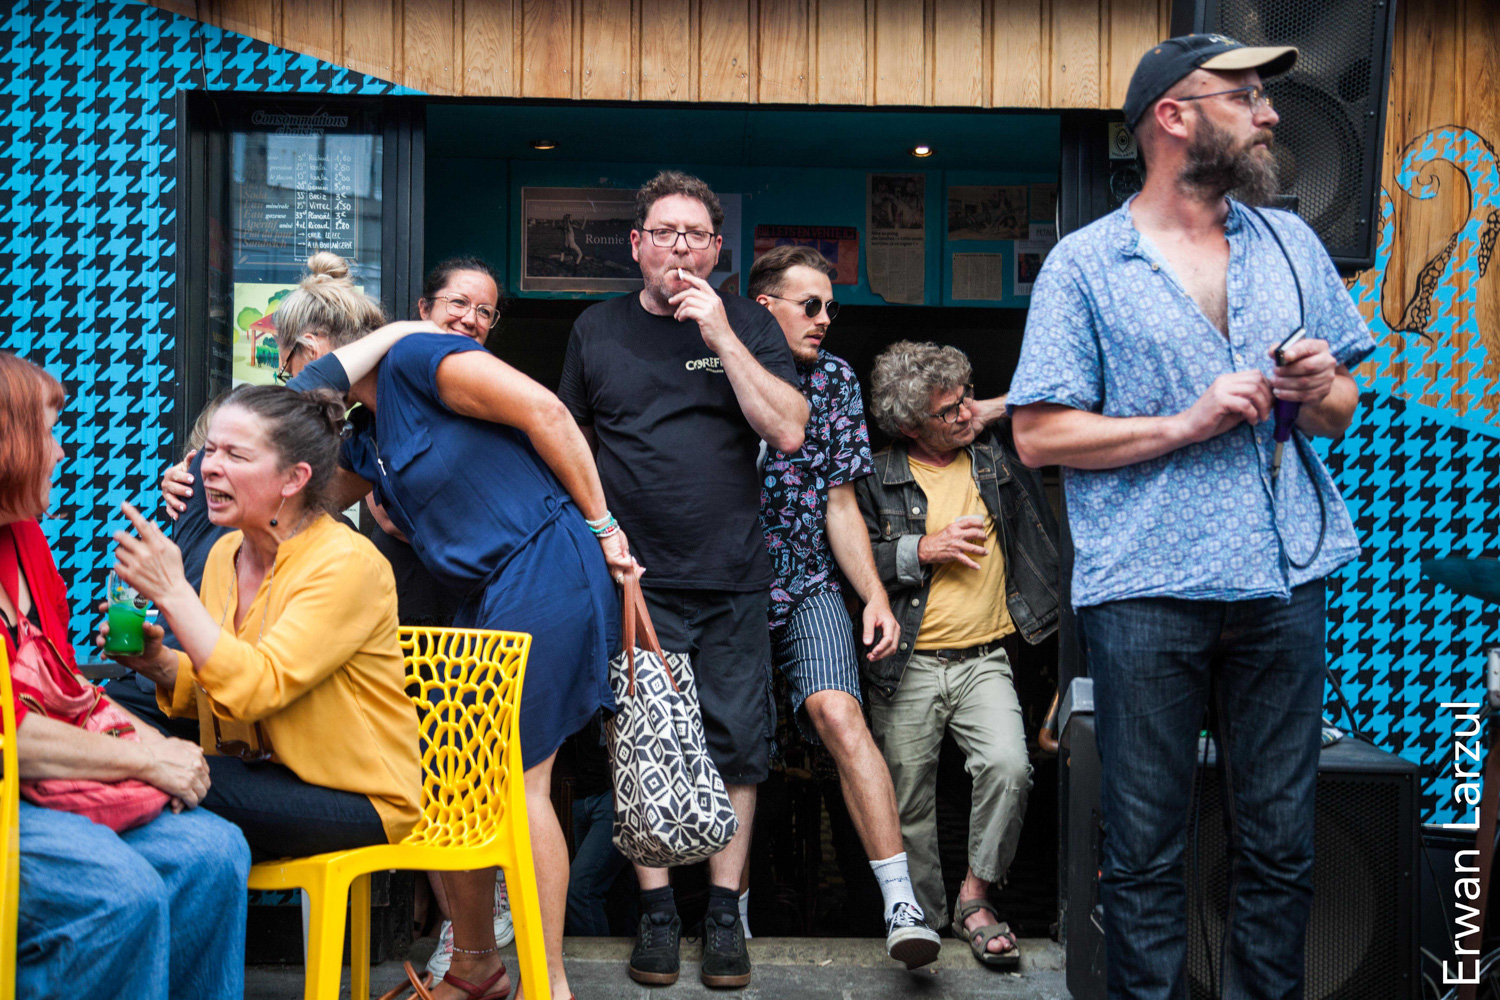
489 519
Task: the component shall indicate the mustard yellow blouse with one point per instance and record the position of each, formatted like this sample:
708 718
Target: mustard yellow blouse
325 677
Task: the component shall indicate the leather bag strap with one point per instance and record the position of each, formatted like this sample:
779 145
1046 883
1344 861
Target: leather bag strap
634 614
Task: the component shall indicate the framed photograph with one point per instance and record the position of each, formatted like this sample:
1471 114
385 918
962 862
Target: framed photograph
578 240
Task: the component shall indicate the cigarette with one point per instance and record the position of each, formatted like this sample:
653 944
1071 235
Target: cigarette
679 275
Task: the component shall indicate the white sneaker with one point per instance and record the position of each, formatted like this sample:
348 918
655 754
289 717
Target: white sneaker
908 939
505 932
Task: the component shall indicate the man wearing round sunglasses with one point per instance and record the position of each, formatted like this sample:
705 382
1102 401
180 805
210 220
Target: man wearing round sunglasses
814 529
676 387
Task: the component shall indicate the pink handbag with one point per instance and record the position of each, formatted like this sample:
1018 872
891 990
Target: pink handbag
119 805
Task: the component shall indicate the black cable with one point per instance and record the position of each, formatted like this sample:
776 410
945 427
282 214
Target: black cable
1338 690
1298 440
1302 448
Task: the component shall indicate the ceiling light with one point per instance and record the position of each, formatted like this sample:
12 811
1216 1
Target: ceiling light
921 150
543 143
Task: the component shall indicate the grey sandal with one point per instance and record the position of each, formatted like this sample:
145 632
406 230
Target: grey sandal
980 937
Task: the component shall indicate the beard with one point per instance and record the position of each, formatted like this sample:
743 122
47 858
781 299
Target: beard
1217 165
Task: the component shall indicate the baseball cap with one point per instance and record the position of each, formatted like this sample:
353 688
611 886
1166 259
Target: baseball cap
1167 62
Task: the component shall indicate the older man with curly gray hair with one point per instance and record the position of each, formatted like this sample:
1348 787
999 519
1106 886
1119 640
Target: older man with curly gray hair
966 546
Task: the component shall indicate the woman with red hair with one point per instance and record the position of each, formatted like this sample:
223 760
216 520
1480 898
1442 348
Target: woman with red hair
126 889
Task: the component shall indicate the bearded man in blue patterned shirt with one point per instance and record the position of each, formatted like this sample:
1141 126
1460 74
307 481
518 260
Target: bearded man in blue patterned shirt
813 529
1149 373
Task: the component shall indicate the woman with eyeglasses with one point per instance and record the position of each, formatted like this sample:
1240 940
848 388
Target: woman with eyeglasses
289 656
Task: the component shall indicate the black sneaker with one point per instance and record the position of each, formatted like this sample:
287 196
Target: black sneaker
726 963
653 962
908 939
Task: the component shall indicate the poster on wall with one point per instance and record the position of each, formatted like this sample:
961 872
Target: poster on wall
979 277
578 240
839 244
896 236
987 212
1044 202
1031 252
253 331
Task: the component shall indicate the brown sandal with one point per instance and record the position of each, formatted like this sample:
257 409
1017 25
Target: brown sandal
980 937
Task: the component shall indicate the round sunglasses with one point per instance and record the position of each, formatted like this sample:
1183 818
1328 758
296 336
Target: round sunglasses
811 306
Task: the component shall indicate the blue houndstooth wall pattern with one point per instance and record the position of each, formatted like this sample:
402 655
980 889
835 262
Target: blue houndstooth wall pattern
88 203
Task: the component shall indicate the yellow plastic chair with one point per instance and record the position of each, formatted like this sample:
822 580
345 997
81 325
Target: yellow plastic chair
466 685
10 832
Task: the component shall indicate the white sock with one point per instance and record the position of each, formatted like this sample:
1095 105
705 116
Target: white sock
745 913
895 883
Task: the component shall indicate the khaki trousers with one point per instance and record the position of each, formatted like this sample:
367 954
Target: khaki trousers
975 699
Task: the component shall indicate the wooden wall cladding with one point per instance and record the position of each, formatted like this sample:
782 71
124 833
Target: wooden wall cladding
1433 296
933 53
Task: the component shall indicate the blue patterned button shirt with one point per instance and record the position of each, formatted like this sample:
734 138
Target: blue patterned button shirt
1112 331
794 489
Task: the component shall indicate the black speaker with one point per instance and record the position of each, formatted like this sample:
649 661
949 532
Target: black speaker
1332 105
1362 934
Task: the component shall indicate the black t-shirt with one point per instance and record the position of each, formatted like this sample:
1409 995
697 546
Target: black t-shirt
676 454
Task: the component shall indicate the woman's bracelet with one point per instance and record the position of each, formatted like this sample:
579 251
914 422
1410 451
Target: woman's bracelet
603 527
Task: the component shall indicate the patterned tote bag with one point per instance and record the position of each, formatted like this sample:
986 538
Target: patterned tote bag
671 807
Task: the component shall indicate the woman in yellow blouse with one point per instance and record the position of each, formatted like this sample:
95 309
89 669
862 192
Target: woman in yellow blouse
290 657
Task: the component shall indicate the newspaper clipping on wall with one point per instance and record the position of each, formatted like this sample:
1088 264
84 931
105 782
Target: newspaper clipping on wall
896 239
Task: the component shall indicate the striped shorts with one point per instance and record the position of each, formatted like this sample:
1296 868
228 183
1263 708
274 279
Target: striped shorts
814 648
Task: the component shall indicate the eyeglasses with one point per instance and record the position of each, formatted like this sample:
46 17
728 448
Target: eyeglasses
1254 97
949 414
811 306
282 374
258 754
459 307
696 239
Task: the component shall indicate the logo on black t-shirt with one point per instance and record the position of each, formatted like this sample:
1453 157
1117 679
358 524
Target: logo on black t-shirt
712 363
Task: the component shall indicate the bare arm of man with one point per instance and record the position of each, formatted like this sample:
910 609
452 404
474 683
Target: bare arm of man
1053 434
851 547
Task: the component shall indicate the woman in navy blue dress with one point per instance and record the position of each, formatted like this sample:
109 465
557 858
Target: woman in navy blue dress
487 475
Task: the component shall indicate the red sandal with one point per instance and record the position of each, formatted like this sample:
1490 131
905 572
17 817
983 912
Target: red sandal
423 991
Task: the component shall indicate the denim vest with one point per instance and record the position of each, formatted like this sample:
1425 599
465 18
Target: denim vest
895 513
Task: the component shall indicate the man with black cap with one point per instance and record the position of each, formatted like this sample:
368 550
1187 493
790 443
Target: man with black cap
1156 350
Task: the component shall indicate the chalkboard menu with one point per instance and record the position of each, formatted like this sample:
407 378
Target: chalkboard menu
298 182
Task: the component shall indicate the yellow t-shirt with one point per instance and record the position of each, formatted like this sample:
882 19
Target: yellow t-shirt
316 663
965 607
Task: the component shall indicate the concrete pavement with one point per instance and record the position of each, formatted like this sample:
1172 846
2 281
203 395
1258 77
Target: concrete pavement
785 968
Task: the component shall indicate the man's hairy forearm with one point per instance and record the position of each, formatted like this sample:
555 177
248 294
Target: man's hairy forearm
1052 434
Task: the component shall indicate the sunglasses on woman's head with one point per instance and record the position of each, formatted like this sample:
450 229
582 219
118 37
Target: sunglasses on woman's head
811 306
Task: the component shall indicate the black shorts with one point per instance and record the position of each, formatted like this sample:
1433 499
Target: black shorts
728 637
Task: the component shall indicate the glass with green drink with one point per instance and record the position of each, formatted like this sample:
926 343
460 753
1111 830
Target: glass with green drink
127 614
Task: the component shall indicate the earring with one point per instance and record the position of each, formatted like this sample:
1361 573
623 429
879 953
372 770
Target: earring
274 520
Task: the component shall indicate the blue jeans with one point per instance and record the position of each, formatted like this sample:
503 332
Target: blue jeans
596 865
1156 662
152 913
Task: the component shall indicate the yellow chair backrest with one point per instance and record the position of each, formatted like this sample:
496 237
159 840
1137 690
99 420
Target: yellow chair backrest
10 834
466 686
